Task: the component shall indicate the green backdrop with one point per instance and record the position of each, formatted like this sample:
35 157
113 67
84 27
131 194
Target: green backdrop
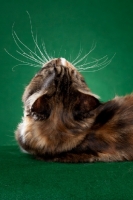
65 27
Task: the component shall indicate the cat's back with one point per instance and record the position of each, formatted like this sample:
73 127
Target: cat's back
113 124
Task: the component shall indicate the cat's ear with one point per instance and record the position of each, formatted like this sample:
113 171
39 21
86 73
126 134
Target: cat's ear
85 102
38 102
41 104
40 108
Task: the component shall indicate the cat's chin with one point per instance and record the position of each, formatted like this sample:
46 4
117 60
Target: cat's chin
59 62
39 137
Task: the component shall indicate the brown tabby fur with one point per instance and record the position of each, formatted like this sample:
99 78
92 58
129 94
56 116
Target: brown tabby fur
64 122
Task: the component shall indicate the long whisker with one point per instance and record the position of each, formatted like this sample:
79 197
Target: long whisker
35 42
27 47
15 35
79 54
14 57
95 61
85 61
96 69
92 48
45 51
32 55
43 56
71 56
104 64
59 51
29 57
94 66
15 39
90 67
25 64
24 53
51 57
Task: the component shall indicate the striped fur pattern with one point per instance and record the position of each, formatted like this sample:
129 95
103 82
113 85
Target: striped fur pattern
65 122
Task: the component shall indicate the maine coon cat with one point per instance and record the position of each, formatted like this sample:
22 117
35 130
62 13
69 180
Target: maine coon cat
65 122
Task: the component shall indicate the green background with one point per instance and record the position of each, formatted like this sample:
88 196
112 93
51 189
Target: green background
64 26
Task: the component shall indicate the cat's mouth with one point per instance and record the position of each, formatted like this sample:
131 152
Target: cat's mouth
59 62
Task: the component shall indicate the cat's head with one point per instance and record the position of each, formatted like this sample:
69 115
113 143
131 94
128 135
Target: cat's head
58 107
58 85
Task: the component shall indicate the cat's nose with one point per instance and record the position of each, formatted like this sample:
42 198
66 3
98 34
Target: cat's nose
61 61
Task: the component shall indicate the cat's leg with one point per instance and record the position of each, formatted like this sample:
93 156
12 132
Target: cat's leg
69 157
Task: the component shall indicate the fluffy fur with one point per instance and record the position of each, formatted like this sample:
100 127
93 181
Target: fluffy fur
64 122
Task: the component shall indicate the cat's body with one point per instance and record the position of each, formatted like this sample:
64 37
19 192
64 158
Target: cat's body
63 121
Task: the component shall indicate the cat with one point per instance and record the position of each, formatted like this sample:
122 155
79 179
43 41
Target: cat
65 122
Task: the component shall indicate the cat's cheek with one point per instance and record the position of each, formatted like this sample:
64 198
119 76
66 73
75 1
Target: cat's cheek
22 135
